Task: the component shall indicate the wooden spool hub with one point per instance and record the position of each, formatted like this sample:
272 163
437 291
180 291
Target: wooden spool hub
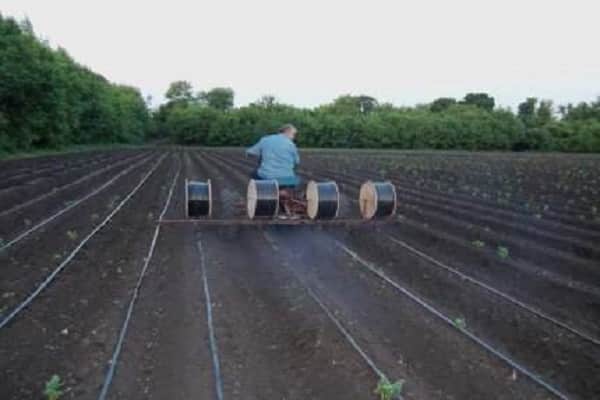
323 200
377 199
198 199
262 198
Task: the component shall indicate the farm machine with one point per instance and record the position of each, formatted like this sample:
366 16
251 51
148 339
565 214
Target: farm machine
267 199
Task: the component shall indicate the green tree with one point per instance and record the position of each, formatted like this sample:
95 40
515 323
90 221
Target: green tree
442 104
219 98
481 100
179 91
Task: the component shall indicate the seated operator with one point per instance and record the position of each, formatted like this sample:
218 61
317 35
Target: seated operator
278 157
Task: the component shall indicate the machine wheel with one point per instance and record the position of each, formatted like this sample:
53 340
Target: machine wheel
377 200
323 200
262 198
198 199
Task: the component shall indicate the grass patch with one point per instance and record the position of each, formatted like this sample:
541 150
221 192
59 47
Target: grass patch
502 252
53 390
478 243
460 323
387 390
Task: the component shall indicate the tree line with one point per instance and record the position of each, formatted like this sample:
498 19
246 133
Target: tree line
472 123
47 100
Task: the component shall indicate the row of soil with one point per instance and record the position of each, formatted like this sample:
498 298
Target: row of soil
72 327
28 262
273 341
566 182
22 166
555 347
551 351
577 266
22 216
544 218
39 174
437 361
484 214
63 177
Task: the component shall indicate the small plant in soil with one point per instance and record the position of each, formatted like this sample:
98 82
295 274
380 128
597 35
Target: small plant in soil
388 390
460 323
72 235
478 243
53 388
502 252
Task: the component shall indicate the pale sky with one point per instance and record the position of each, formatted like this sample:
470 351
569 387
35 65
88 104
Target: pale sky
306 52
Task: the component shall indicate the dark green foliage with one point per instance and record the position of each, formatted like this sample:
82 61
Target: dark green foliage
219 98
360 122
442 104
47 100
481 100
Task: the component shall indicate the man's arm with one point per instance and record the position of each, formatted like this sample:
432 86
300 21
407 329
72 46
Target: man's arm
256 149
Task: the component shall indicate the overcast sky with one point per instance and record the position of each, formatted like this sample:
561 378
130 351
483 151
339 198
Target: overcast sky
307 52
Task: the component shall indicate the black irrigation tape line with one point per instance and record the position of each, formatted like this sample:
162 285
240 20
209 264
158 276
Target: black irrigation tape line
513 364
72 205
343 331
70 184
214 350
495 291
6 320
125 326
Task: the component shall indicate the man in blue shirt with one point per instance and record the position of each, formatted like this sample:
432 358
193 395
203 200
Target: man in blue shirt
278 157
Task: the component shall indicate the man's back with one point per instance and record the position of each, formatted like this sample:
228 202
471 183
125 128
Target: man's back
278 154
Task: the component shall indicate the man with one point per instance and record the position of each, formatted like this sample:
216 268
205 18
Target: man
278 157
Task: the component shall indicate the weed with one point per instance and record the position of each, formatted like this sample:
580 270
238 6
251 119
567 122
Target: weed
538 216
72 235
460 323
502 252
95 216
1 242
478 243
388 390
53 388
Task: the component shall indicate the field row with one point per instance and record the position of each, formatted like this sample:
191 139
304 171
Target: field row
98 290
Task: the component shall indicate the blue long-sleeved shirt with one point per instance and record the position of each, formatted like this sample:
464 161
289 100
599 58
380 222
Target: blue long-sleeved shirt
278 155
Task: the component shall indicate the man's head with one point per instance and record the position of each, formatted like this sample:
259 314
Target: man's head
288 130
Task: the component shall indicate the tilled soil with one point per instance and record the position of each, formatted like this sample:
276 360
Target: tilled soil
295 311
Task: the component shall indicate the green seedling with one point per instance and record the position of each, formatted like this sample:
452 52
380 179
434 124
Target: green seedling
478 243
53 388
502 252
72 235
388 390
460 323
